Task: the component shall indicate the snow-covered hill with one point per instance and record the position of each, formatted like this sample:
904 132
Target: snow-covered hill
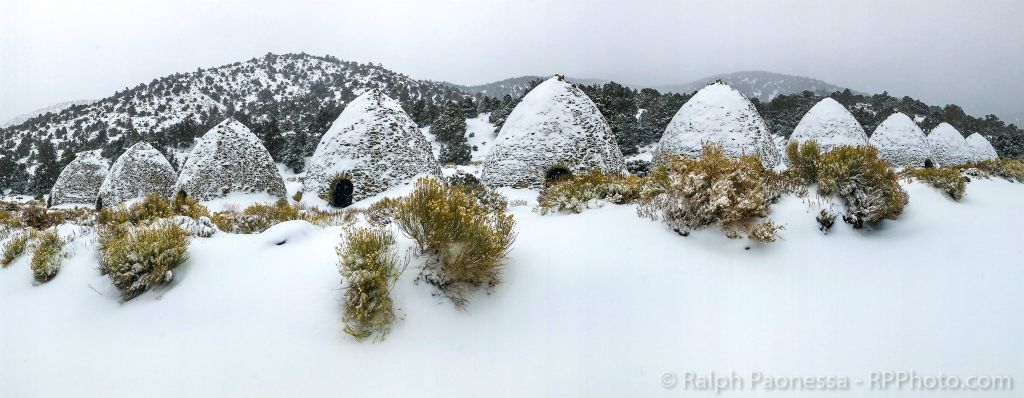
516 86
55 108
301 92
758 84
602 303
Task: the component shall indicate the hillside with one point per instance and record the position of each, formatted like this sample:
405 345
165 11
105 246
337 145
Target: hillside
762 85
55 108
516 86
299 94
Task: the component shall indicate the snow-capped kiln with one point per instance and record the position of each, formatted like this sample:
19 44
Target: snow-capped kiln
229 158
372 146
141 170
718 114
980 148
900 142
948 146
554 131
80 181
830 125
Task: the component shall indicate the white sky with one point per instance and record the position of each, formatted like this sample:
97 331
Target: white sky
967 52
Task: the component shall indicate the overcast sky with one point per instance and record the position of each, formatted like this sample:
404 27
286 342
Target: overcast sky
967 52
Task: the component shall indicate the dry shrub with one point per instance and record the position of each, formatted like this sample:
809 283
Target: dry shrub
734 193
382 211
137 258
486 196
15 247
256 218
868 186
9 220
577 193
803 161
39 217
369 265
151 208
465 240
1009 169
947 180
47 256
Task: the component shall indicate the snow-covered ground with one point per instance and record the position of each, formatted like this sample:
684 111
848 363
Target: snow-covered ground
601 303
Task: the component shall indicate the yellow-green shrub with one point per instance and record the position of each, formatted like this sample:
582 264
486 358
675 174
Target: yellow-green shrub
734 193
803 160
947 180
15 247
39 217
1009 169
382 211
369 264
868 186
47 256
151 208
466 241
137 258
575 194
256 218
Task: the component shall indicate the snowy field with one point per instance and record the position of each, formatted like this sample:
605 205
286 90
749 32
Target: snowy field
599 304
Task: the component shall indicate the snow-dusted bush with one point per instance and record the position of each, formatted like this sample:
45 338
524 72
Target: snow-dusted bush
715 188
866 183
1009 169
382 211
465 241
370 267
578 193
803 160
137 258
151 208
945 179
826 219
47 256
487 196
256 218
39 217
15 247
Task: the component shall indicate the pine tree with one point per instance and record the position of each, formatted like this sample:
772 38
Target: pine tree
47 168
455 152
272 139
295 152
450 125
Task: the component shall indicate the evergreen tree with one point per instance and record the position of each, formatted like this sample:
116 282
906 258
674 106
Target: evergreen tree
450 125
295 152
272 138
455 152
47 168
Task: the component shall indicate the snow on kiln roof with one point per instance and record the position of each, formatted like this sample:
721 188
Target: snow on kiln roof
948 146
229 158
374 144
554 126
719 114
141 170
830 125
980 149
80 181
900 142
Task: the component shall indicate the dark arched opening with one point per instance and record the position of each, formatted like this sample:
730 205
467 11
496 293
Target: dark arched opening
928 164
341 193
99 204
556 175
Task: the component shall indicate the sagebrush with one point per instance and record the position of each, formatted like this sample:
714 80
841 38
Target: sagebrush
948 180
137 258
716 189
577 193
370 267
465 240
867 184
47 256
